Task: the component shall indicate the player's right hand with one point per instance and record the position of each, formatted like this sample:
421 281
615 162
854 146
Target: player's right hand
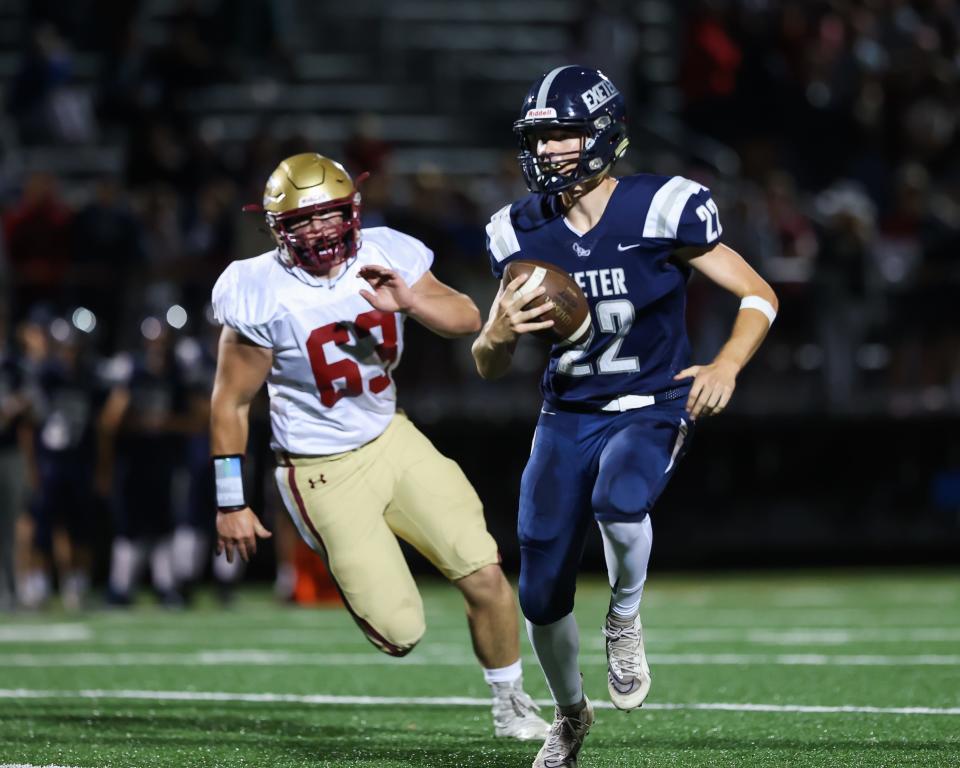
239 530
509 319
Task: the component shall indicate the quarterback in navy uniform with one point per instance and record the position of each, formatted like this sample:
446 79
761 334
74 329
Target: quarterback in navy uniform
618 407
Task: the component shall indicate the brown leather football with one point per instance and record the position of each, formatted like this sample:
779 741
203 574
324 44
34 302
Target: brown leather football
571 312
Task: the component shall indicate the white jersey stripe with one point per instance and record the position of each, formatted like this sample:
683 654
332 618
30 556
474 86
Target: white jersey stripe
503 238
293 509
545 86
679 202
678 444
663 216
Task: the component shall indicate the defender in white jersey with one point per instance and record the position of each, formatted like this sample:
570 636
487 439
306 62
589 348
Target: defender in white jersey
320 319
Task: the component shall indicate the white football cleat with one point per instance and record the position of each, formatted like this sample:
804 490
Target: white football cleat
566 736
515 715
628 675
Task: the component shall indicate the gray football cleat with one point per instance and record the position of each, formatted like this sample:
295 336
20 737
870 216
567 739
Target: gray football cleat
628 675
565 738
515 715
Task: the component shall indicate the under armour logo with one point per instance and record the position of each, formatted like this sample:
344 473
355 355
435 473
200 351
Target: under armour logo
581 251
313 481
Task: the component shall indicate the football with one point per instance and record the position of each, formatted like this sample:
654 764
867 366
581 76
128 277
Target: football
571 312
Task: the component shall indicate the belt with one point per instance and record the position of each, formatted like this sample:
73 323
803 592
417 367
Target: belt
629 403
623 402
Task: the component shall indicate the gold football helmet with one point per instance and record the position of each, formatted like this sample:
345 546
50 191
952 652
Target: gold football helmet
305 188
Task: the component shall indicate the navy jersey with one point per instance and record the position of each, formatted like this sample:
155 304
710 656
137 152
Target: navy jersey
156 396
70 398
636 290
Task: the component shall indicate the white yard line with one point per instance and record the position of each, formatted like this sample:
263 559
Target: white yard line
786 637
447 701
44 633
264 658
29 765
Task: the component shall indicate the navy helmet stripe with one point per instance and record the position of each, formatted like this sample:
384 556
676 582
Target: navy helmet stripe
547 82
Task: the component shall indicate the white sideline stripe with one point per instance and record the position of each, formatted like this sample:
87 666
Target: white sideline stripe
814 635
256 657
44 633
434 701
31 765
795 636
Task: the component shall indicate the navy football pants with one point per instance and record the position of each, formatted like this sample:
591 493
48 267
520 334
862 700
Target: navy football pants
586 467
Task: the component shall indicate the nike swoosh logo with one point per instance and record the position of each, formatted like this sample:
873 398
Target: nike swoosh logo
622 686
622 247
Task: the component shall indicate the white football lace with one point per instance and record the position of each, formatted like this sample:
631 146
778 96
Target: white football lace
563 737
521 703
623 643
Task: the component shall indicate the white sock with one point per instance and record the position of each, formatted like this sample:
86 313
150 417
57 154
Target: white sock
226 572
161 565
75 586
626 547
36 588
557 646
77 582
504 674
284 582
185 545
124 564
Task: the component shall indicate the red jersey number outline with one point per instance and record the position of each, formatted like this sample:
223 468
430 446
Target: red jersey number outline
325 372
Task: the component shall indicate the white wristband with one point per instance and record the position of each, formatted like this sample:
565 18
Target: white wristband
228 474
761 305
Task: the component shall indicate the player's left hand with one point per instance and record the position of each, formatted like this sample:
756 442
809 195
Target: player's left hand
390 292
239 530
712 388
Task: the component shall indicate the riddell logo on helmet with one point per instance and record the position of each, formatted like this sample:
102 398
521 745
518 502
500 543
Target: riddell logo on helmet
599 95
535 114
314 199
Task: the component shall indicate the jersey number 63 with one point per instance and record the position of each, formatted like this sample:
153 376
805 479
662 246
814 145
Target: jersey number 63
361 343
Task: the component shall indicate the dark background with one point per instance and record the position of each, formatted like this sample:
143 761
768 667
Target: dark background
133 132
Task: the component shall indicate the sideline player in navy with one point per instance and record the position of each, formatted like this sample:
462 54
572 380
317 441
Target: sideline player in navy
618 408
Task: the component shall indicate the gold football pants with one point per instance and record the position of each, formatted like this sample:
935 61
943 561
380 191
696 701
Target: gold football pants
351 507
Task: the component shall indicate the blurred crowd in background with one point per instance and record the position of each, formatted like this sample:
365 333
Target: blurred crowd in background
827 131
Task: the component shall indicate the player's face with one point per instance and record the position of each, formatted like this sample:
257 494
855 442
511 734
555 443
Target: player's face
317 239
560 148
320 226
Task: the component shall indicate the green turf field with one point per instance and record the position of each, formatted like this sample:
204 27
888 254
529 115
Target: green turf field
831 669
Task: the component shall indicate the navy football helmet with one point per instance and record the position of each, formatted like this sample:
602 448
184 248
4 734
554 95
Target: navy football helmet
578 99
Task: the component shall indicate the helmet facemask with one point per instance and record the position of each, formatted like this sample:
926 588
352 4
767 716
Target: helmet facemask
318 252
600 139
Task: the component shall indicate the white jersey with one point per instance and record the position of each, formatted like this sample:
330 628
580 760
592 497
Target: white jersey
330 385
